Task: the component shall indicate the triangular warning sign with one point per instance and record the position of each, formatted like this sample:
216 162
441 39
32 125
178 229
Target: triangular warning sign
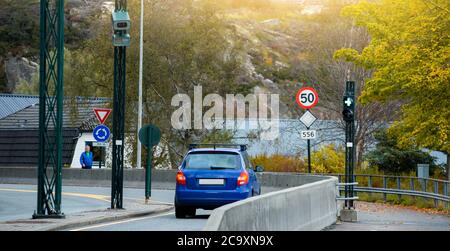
102 114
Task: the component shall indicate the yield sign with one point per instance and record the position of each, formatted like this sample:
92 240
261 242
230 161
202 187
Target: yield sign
102 114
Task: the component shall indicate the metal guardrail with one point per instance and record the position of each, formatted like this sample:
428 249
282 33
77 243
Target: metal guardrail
428 188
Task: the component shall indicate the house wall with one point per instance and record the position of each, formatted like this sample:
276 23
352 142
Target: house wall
88 137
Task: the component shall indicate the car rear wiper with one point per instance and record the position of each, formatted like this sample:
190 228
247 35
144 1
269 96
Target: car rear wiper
220 167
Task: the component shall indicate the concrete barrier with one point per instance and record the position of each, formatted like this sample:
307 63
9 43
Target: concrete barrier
310 206
133 178
290 201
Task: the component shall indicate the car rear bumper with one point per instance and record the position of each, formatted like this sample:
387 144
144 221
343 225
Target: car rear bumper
209 198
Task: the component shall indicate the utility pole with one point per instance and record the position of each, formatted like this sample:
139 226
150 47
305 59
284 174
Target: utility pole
348 113
51 81
121 40
141 59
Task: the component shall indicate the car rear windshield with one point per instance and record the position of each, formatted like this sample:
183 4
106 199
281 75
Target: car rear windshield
212 160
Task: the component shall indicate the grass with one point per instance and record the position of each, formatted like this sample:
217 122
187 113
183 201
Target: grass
405 200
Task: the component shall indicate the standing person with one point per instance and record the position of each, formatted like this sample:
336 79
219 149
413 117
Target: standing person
86 158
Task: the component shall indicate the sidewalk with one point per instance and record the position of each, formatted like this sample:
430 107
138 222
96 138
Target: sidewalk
385 217
134 208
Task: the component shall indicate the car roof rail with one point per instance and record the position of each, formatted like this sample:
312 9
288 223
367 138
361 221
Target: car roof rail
243 147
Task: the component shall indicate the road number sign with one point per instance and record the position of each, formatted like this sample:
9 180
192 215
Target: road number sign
307 97
309 134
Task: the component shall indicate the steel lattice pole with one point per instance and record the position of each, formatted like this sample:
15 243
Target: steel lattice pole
51 81
118 119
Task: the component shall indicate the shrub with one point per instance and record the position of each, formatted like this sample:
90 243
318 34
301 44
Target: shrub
328 159
279 163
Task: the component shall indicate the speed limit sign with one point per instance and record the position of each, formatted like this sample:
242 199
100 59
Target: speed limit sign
307 97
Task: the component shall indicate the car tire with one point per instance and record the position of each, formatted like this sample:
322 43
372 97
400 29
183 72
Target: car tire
191 211
180 212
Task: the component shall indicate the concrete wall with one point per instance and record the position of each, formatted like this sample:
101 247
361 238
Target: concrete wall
133 178
309 206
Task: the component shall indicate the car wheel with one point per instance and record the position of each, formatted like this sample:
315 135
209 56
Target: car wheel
180 212
191 211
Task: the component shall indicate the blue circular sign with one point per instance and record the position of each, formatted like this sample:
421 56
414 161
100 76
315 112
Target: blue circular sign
101 133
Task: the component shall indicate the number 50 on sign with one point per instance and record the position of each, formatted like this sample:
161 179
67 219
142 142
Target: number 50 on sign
309 134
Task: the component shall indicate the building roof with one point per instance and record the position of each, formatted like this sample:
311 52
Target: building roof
78 113
10 104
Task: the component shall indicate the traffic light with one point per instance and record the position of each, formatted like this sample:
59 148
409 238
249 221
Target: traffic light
348 112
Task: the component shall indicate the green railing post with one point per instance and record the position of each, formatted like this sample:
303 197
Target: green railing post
384 186
411 186
369 184
399 187
446 185
436 191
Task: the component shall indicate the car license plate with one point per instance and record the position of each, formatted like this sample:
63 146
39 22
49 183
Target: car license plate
211 181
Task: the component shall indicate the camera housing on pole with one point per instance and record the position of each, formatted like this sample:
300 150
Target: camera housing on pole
121 24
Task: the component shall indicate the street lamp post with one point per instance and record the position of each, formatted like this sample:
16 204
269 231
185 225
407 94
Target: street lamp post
141 54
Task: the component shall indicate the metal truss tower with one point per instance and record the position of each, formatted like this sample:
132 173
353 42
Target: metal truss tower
50 109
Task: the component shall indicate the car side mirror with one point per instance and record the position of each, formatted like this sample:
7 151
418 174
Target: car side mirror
259 169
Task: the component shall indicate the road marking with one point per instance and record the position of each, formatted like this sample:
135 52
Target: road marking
121 222
83 195
86 195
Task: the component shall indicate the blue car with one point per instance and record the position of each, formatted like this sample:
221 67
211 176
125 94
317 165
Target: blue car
214 176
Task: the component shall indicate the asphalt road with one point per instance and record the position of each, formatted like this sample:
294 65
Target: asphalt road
19 202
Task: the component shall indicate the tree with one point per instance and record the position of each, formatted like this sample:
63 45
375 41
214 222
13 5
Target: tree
409 52
186 44
312 64
390 158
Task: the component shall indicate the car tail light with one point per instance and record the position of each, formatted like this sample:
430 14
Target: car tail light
243 179
181 179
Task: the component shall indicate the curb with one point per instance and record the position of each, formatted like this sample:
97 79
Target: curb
65 226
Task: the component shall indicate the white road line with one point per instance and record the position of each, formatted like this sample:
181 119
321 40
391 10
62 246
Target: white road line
120 222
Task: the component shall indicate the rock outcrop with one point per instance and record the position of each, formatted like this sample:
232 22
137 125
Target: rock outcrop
18 70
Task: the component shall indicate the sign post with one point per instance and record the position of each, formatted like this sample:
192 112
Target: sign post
149 136
307 98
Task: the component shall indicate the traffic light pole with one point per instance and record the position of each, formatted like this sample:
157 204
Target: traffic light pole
348 213
118 117
51 80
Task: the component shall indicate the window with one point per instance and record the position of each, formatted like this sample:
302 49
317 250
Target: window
248 163
212 160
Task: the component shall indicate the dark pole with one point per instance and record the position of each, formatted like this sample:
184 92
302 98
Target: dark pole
349 118
118 118
309 154
148 170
